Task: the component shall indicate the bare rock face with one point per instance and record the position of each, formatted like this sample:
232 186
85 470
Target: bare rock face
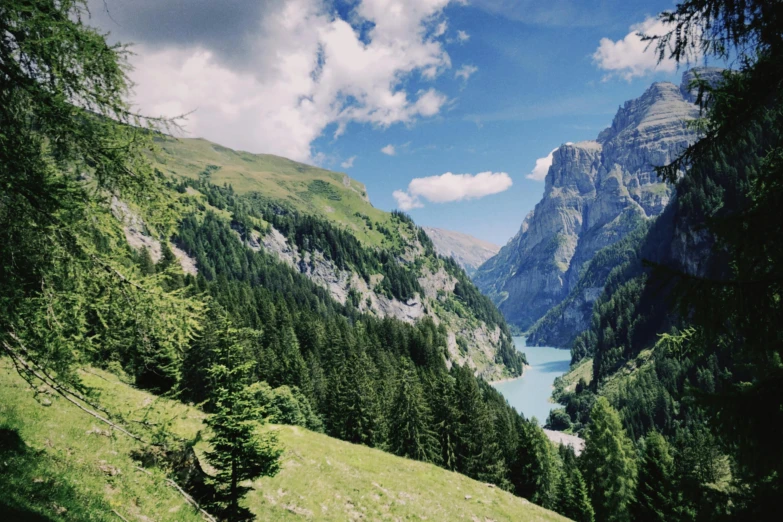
139 238
469 252
595 193
483 342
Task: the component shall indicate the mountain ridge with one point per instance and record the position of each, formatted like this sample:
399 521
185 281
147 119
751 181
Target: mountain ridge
595 194
468 251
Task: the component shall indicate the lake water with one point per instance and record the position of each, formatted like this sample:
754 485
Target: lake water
530 394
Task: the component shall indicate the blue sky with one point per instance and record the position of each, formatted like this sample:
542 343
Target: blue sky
335 83
536 87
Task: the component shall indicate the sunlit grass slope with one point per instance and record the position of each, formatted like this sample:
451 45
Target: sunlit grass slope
56 464
312 190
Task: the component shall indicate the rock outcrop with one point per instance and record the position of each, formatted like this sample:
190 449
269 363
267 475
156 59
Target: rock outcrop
596 192
482 341
469 252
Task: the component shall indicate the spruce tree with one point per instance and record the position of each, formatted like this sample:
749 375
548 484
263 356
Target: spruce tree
573 500
609 465
239 451
445 418
146 264
472 441
656 498
534 471
353 407
411 434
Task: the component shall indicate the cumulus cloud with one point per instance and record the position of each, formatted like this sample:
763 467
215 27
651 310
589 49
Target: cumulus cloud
440 29
405 201
389 150
542 166
631 57
450 187
465 72
462 36
347 164
273 75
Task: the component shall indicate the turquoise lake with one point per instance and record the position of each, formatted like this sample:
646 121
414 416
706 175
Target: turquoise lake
530 393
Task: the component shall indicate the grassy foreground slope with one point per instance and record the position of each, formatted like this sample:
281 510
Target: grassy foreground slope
68 467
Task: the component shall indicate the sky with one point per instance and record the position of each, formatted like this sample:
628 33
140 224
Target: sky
446 109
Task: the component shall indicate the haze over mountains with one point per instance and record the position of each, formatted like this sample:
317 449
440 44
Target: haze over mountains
468 251
596 193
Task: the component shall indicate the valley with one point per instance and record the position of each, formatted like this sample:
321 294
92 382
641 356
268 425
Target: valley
221 299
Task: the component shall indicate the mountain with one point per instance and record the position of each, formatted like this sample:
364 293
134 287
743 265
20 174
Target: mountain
596 193
322 225
469 252
87 472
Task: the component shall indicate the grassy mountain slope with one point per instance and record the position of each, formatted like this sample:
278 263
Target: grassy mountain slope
67 467
312 190
276 188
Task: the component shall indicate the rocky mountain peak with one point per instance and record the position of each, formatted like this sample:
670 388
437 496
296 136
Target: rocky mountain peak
712 75
662 105
596 192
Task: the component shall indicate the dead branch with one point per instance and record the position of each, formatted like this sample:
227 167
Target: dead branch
66 394
116 513
192 501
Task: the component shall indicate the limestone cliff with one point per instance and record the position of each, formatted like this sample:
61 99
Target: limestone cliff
596 192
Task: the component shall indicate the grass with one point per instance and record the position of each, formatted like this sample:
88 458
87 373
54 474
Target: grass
56 466
566 383
312 190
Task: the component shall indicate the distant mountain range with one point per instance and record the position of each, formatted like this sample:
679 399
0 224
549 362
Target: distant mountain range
596 193
469 252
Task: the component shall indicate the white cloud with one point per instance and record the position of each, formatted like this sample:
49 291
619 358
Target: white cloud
631 57
389 150
450 187
405 201
440 29
542 166
462 36
465 72
347 164
311 70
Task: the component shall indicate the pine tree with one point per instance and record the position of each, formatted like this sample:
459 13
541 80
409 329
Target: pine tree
656 498
533 471
239 450
410 418
609 465
146 264
472 441
353 409
573 500
199 358
445 418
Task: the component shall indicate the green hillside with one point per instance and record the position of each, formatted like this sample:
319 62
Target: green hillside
312 190
68 467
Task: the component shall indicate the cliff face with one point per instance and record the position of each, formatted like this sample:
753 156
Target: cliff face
596 192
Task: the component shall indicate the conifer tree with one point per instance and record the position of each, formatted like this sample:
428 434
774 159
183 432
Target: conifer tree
146 264
354 404
610 468
445 418
573 500
655 494
239 450
472 440
410 419
534 472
